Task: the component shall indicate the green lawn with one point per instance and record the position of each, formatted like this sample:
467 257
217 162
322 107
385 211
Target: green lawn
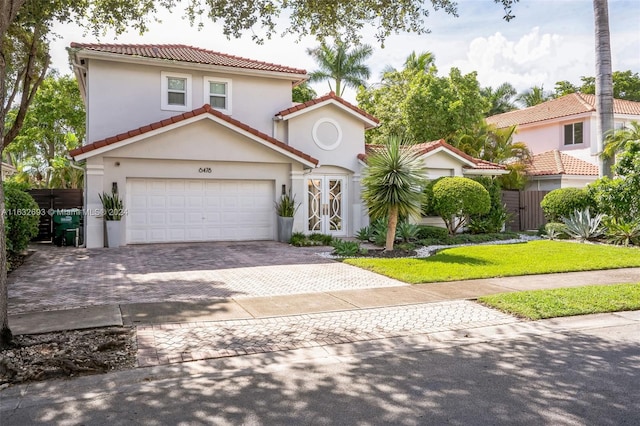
535 257
563 302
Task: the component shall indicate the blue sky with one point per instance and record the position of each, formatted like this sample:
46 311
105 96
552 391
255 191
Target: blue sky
548 41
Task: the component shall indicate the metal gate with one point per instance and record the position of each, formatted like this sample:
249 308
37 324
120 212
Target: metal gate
524 209
53 199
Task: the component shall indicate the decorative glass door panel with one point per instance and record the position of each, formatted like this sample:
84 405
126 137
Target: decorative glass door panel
325 208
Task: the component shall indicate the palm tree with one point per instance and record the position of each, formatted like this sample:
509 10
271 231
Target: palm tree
617 140
393 184
341 65
424 62
500 99
604 81
534 96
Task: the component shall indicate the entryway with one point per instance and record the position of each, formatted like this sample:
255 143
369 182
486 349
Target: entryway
325 207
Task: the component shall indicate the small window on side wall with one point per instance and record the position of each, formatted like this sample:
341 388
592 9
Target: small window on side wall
217 93
573 134
175 92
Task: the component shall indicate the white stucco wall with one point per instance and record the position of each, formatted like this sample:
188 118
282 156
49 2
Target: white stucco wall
549 183
124 96
442 164
181 153
345 155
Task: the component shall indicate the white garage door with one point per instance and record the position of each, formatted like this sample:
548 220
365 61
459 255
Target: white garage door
175 210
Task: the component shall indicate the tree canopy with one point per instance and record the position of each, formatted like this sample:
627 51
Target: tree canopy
417 102
626 85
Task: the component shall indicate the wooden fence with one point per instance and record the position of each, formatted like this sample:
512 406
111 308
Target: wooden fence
53 199
524 209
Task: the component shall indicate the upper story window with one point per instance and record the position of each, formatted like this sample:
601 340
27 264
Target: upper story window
176 91
217 93
573 134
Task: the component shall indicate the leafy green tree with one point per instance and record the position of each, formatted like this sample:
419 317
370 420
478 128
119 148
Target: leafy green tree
626 86
500 99
53 125
303 93
385 100
455 199
533 96
619 197
563 88
440 107
392 184
617 140
341 65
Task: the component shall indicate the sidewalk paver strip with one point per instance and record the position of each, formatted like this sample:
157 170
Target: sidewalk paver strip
169 343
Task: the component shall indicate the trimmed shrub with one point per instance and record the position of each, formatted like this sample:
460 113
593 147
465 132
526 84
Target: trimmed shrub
563 202
495 219
22 216
456 198
345 248
428 206
432 232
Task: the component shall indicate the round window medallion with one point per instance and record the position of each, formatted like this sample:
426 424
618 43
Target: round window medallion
327 134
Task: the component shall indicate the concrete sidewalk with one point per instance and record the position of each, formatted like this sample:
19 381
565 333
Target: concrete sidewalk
300 304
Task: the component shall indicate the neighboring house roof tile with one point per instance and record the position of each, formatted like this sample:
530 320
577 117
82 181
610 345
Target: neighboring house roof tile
183 53
426 147
558 163
206 109
328 97
572 104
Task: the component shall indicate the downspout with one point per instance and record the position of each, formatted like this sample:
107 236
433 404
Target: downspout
84 198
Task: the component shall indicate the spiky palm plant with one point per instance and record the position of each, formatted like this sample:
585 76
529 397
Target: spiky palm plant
393 184
581 226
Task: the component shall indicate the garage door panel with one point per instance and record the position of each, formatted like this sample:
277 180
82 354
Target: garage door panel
174 210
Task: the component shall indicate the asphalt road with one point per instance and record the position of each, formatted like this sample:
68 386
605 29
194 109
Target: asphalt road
577 377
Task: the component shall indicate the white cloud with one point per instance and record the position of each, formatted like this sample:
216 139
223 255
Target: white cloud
532 59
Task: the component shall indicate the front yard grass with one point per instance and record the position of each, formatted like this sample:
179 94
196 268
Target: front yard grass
471 262
563 302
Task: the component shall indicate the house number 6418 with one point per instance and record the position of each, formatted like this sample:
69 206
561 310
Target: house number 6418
204 170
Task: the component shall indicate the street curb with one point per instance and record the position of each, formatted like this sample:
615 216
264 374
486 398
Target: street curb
90 387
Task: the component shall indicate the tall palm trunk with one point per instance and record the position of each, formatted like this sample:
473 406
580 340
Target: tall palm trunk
604 82
392 224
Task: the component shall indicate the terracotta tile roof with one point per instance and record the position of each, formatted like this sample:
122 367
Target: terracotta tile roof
425 147
558 163
572 104
327 97
183 53
206 109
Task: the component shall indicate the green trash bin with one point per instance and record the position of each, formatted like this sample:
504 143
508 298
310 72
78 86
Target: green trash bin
67 227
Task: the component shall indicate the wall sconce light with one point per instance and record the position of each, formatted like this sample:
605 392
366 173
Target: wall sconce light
284 189
114 187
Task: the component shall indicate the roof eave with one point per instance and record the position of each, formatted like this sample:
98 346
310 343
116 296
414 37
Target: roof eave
133 59
160 130
369 124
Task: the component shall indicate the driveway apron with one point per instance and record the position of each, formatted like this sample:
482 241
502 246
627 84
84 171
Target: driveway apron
62 278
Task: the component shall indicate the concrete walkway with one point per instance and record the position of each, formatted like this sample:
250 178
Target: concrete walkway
300 304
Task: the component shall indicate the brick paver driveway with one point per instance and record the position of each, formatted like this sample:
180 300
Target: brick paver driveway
61 278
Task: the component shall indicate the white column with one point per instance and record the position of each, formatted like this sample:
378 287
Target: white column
94 222
360 214
298 190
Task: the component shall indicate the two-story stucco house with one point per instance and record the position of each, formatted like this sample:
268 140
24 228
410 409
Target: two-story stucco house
200 145
566 124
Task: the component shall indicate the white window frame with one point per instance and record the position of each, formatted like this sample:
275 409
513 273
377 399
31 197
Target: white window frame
573 134
164 88
207 93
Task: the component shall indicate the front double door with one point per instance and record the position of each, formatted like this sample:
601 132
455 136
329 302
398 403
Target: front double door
325 205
